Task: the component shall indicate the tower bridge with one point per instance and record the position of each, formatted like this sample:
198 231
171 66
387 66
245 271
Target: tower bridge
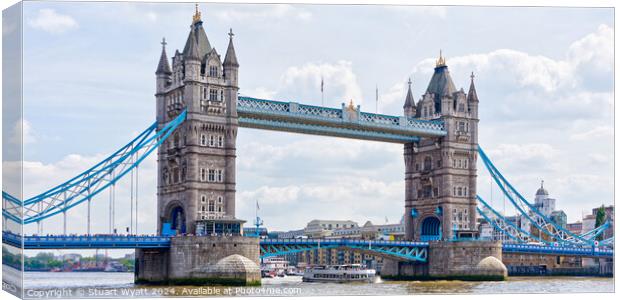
198 113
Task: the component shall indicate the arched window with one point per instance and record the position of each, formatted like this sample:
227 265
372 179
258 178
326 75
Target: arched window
203 175
428 163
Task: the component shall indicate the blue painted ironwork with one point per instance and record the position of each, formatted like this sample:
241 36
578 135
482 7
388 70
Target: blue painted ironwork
92 181
14 205
326 130
539 220
302 118
594 233
402 250
559 250
431 229
86 242
609 242
505 226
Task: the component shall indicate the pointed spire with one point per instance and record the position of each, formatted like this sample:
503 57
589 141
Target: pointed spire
192 49
163 67
409 101
231 58
471 94
197 32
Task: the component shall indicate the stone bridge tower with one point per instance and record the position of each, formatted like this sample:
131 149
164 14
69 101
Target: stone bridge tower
196 164
440 173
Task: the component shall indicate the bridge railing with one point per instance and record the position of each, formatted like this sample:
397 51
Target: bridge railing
584 251
337 116
344 241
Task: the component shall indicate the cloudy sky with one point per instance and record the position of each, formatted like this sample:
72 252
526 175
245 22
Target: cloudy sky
545 86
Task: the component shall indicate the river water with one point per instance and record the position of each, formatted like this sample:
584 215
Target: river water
87 285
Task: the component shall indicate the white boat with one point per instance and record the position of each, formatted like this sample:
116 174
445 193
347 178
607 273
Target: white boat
339 273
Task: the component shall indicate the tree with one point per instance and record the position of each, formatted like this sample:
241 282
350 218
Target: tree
600 220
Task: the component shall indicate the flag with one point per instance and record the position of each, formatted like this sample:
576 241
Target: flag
386 220
257 207
322 84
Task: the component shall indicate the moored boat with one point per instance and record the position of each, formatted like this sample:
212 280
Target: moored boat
339 273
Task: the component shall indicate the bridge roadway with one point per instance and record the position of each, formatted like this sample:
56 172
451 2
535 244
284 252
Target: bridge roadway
404 250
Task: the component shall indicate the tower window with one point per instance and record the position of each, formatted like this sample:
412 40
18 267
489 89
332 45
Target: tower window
211 140
213 71
213 95
462 126
203 140
427 163
203 199
211 175
203 175
219 199
220 175
211 205
220 141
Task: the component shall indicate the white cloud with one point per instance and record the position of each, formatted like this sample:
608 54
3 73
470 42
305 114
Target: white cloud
594 133
530 87
303 83
51 21
151 16
278 11
260 92
348 198
594 51
22 133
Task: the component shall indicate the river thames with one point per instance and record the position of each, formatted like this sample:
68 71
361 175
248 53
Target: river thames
45 284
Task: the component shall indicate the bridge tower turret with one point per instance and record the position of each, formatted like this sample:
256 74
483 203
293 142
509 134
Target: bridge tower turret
163 74
440 173
196 164
409 107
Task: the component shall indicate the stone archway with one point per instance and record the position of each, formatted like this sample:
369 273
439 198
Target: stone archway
177 219
430 230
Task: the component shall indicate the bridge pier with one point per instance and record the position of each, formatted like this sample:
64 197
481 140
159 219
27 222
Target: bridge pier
463 260
201 260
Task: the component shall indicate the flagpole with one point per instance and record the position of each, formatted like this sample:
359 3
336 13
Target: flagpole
322 93
376 99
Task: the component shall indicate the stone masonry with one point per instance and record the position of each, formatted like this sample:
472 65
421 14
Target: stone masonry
440 173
